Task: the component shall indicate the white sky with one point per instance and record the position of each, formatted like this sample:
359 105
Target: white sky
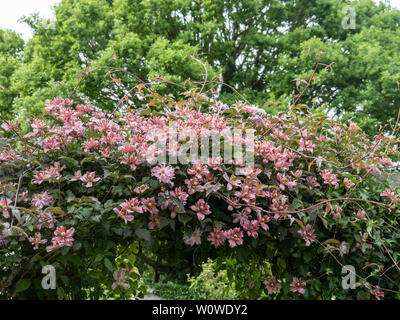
12 10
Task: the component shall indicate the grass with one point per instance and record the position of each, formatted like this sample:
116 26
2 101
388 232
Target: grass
174 291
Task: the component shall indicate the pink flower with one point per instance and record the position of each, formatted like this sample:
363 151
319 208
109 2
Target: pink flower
4 203
216 237
9 126
127 208
36 240
46 219
377 292
278 203
330 178
233 181
219 107
77 176
241 217
105 126
82 109
306 145
297 174
285 181
198 170
234 236
140 189
307 234
250 171
193 185
37 127
246 194
131 160
280 135
360 214
8 155
297 285
201 208
194 239
164 174
126 216
386 162
348 183
155 220
51 172
336 214
233 203
251 227
272 285
312 182
149 205
39 177
41 200
215 163
390 194
99 115
90 144
132 205
321 138
52 143
119 277
127 147
62 238
353 126
89 178
263 220
180 194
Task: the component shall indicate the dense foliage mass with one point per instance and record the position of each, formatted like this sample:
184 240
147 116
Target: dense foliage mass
81 191
259 47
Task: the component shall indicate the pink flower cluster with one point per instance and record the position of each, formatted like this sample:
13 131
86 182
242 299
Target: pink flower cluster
4 206
307 234
88 178
164 174
287 158
8 155
62 238
41 200
128 208
391 195
48 174
330 178
272 285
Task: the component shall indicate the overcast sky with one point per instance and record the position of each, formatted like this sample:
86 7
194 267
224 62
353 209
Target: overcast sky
12 10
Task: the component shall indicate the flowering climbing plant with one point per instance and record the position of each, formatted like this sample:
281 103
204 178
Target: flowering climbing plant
91 192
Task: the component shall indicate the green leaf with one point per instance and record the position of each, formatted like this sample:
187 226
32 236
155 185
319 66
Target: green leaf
98 258
143 234
60 293
164 222
77 245
108 264
179 204
22 285
72 162
56 210
65 250
184 218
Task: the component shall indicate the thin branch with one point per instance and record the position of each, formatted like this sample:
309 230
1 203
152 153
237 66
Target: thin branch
206 73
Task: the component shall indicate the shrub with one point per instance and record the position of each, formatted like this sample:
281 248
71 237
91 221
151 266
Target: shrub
175 291
81 191
212 284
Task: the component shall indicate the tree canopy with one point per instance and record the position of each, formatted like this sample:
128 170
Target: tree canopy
258 47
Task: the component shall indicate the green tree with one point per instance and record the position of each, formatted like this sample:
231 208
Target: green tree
258 47
11 46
